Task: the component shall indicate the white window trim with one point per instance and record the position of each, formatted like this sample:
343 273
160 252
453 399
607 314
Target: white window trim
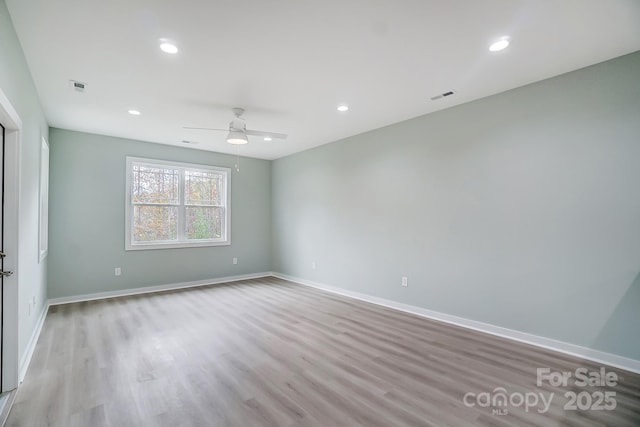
130 246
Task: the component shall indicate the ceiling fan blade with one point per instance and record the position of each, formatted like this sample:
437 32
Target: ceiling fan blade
195 128
263 133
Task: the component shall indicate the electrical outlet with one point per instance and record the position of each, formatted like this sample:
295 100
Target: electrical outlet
235 260
313 265
405 281
118 271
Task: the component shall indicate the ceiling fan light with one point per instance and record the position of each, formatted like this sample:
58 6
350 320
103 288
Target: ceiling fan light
237 138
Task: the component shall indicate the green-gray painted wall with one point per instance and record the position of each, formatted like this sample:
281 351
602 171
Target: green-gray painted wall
87 209
17 85
521 210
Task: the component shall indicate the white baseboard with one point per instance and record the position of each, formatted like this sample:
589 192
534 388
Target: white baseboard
31 346
148 289
6 402
548 343
26 359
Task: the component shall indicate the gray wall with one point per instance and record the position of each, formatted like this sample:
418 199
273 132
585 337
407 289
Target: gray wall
521 210
87 206
17 85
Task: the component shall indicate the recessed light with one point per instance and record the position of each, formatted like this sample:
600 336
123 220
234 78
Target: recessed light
168 47
499 45
268 138
134 112
342 108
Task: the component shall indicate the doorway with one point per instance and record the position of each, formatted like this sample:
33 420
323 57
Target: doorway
2 270
11 132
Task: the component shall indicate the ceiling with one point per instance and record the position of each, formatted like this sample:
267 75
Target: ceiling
290 63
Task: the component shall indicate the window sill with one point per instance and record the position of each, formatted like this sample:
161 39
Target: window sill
153 246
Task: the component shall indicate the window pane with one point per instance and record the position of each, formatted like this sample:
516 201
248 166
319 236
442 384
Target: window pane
202 187
154 184
204 223
153 223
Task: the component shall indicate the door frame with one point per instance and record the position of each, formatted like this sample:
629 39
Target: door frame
13 150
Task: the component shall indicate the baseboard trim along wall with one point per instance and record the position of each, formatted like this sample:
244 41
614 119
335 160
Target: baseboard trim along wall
6 402
148 289
550 344
31 346
26 359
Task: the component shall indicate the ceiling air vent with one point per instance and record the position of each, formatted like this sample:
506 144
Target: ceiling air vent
442 95
77 86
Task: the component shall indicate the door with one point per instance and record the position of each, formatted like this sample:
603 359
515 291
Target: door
2 272
10 142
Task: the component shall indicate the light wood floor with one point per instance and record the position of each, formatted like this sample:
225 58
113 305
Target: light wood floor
271 353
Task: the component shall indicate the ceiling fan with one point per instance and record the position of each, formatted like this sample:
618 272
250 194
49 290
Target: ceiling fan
238 131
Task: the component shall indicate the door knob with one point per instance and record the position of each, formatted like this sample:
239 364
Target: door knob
6 273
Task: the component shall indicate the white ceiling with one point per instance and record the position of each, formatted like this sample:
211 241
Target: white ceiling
289 63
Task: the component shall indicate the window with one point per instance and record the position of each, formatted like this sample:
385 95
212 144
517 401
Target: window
176 205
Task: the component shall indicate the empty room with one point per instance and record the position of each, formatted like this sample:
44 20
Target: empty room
304 214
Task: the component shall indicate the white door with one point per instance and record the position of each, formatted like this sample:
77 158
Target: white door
2 255
10 134
2 272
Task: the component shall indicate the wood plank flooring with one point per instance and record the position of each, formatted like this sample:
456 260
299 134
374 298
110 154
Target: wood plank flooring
267 352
